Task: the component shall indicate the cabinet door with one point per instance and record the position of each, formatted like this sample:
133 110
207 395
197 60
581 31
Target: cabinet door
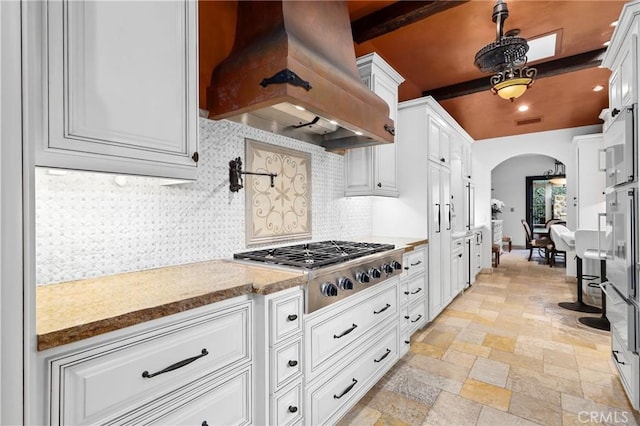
434 140
628 69
435 237
122 87
385 173
358 171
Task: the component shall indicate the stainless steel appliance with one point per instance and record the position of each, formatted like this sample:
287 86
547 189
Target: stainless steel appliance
335 269
621 244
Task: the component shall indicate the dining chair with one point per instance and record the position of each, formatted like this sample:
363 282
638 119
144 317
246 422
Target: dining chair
542 244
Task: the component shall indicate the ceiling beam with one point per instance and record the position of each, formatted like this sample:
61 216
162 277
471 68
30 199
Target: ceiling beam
397 15
545 69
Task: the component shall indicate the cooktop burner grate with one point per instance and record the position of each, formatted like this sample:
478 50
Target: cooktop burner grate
314 255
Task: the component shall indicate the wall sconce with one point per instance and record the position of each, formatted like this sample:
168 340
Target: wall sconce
235 175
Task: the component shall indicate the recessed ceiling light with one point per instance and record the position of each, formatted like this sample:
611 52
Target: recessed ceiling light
614 23
523 108
299 108
606 43
358 133
598 88
334 122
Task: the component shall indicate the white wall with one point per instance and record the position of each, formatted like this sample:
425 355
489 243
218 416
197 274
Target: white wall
508 180
87 225
488 153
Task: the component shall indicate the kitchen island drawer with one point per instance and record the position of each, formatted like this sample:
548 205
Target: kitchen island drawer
286 363
225 401
417 316
414 261
287 406
286 314
333 397
334 330
106 381
414 290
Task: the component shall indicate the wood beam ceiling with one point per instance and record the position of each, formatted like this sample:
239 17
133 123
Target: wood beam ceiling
397 15
545 69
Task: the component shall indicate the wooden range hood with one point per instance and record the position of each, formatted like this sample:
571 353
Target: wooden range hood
291 54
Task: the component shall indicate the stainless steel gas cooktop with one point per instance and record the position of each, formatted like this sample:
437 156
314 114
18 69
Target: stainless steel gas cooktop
335 269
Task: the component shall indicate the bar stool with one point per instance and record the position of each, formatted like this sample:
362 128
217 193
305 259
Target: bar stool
584 239
601 322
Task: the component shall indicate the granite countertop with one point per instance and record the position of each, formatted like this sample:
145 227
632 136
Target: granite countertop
76 310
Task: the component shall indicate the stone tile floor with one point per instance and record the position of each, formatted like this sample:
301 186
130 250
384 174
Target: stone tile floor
503 353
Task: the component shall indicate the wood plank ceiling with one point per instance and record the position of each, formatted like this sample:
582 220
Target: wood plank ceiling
435 55
432 44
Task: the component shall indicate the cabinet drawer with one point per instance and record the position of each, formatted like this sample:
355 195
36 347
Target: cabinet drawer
98 384
414 261
286 408
223 402
626 363
333 397
286 363
335 330
286 317
416 289
417 315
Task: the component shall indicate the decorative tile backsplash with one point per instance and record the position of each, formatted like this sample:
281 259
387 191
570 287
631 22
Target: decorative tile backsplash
281 212
94 224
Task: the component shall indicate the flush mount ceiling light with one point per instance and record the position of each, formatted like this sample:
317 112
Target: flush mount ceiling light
507 58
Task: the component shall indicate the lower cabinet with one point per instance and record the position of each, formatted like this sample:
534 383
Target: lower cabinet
330 397
169 370
414 290
348 347
279 357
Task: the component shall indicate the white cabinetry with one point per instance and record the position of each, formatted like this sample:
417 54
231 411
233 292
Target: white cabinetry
428 131
413 295
112 86
373 170
477 252
184 369
279 360
458 277
623 80
590 180
348 347
439 138
439 239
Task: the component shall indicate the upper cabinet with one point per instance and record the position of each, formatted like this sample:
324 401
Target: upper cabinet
621 58
372 170
112 86
439 141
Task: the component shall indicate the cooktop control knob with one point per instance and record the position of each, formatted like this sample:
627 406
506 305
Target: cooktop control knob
362 277
375 272
329 290
387 269
345 283
396 264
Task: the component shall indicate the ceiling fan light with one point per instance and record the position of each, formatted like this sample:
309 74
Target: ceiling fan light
512 88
